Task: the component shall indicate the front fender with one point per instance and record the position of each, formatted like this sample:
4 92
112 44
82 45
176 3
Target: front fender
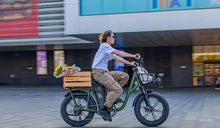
138 96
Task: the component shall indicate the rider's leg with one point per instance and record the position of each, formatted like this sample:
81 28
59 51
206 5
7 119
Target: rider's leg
114 88
114 92
121 77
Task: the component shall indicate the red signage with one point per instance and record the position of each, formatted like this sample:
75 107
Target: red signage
18 18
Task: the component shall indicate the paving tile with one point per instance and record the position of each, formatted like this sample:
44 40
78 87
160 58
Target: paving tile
39 107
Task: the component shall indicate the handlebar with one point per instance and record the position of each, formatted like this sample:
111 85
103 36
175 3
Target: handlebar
139 62
136 64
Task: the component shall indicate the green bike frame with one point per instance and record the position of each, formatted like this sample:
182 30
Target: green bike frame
134 84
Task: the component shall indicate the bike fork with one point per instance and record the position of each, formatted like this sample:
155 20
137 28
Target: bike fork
145 97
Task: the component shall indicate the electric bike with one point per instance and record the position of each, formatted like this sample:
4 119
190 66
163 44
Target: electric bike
150 108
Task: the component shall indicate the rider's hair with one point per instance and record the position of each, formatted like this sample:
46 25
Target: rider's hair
103 36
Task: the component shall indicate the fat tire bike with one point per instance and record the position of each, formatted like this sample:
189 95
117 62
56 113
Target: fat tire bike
150 108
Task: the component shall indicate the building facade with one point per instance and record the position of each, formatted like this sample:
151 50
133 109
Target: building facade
179 39
32 41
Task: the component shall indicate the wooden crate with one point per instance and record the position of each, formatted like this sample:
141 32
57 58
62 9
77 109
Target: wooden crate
77 79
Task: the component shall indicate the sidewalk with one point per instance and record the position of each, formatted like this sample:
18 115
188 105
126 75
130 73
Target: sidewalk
39 107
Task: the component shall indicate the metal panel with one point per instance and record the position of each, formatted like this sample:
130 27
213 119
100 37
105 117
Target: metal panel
51 27
98 7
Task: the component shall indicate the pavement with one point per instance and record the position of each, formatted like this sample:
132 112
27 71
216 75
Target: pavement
39 107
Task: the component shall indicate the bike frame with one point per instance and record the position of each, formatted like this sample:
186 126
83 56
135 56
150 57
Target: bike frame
132 87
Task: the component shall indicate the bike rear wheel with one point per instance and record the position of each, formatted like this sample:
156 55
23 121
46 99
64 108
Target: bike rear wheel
72 115
154 114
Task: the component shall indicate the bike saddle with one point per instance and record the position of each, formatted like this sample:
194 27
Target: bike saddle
95 84
93 80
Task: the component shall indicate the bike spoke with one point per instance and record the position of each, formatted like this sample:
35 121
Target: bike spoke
147 114
71 114
71 103
157 110
143 107
152 113
79 101
155 104
84 114
73 111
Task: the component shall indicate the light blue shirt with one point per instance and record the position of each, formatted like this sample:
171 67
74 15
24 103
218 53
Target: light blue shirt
103 55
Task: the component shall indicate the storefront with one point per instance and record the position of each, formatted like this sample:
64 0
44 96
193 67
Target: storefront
206 64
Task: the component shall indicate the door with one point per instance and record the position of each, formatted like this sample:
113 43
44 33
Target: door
210 72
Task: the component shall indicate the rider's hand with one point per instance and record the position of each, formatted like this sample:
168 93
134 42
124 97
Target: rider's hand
133 64
137 56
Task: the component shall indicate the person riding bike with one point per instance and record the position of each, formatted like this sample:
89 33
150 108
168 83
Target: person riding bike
112 80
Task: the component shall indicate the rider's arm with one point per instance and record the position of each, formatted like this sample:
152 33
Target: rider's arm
123 54
124 61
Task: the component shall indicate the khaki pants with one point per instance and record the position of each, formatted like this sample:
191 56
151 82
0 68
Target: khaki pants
113 81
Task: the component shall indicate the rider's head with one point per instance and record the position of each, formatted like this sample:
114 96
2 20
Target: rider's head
107 37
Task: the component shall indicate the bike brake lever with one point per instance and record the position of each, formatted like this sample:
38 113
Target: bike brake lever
136 64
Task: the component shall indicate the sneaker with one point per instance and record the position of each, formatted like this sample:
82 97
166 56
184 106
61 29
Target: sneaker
106 114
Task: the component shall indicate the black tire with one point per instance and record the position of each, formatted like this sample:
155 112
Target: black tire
154 100
75 117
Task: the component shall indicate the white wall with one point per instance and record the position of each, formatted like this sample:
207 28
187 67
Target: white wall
133 22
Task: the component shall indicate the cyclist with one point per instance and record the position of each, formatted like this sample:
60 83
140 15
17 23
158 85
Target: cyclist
112 80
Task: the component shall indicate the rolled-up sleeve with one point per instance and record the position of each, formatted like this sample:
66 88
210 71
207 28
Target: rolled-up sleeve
112 56
109 50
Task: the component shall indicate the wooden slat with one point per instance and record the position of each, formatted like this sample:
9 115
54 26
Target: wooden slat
79 74
81 84
77 79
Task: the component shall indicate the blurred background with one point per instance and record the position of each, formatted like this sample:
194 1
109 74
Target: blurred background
179 39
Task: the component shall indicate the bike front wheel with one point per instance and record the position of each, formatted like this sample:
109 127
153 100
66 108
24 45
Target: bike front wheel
153 114
72 115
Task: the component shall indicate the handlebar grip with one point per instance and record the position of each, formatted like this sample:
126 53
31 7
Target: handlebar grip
137 56
135 63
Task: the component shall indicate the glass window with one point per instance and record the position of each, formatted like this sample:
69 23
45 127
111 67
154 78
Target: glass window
59 58
41 62
197 56
208 50
206 53
217 48
197 49
198 69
